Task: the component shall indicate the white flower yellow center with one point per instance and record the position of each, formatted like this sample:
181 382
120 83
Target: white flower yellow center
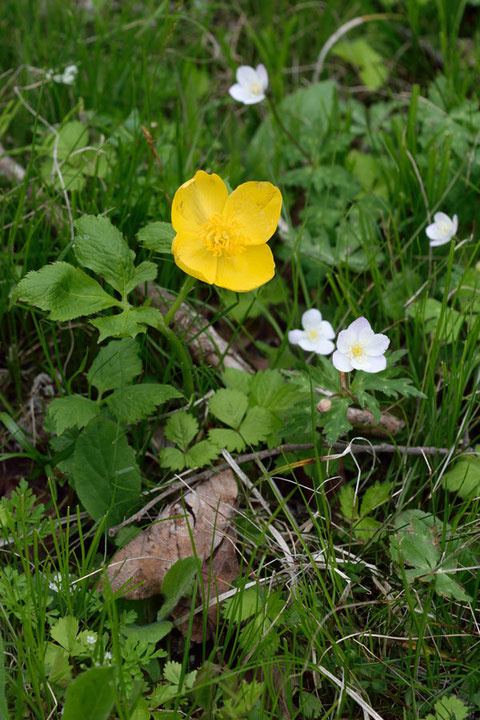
256 88
221 236
444 227
313 334
357 352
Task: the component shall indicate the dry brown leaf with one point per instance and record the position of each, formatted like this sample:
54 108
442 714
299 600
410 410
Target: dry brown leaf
194 526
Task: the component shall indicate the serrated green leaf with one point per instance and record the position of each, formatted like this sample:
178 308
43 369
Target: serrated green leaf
202 453
91 695
372 69
375 496
269 390
231 440
65 291
256 426
366 528
71 411
151 633
334 422
115 365
347 502
128 323
143 273
177 583
106 476
172 672
310 705
448 587
181 428
464 477
135 402
391 387
237 380
229 406
157 236
101 247
449 708
172 458
65 632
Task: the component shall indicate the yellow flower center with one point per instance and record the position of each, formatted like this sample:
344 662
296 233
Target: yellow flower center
256 89
221 236
312 334
357 351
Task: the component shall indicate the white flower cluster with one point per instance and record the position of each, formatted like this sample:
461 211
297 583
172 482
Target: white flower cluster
68 76
358 347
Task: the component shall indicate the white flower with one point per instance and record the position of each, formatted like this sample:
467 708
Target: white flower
316 335
251 84
442 230
359 348
107 657
68 76
55 582
90 640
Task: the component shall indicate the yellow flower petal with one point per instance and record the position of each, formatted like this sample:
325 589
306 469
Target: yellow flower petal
246 271
192 258
196 200
256 207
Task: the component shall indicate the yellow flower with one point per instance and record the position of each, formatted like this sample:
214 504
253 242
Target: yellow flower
221 238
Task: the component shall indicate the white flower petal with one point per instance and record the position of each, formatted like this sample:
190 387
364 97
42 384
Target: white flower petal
323 346
377 345
455 224
442 218
311 319
246 76
341 361
327 330
252 99
441 241
371 364
262 76
294 336
239 93
358 326
344 340
436 232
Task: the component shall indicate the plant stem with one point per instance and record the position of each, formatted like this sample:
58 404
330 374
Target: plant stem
182 355
287 132
189 282
344 384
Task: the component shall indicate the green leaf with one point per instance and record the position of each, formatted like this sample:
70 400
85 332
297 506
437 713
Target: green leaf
151 633
71 411
237 380
229 439
366 528
106 476
242 605
269 390
229 406
375 496
335 421
310 705
65 632
202 453
373 71
177 583
449 708
429 314
464 477
3 699
157 236
67 292
57 665
447 586
172 458
181 428
115 365
135 402
392 387
91 695
101 247
72 136
128 323
256 426
347 502
143 273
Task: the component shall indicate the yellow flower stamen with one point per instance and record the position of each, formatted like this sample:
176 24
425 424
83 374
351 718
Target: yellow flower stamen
357 351
256 89
221 236
312 335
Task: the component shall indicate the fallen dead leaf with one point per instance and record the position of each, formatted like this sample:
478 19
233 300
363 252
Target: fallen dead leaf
196 525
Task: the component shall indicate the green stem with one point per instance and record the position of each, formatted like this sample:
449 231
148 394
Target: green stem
182 355
286 131
184 290
345 384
